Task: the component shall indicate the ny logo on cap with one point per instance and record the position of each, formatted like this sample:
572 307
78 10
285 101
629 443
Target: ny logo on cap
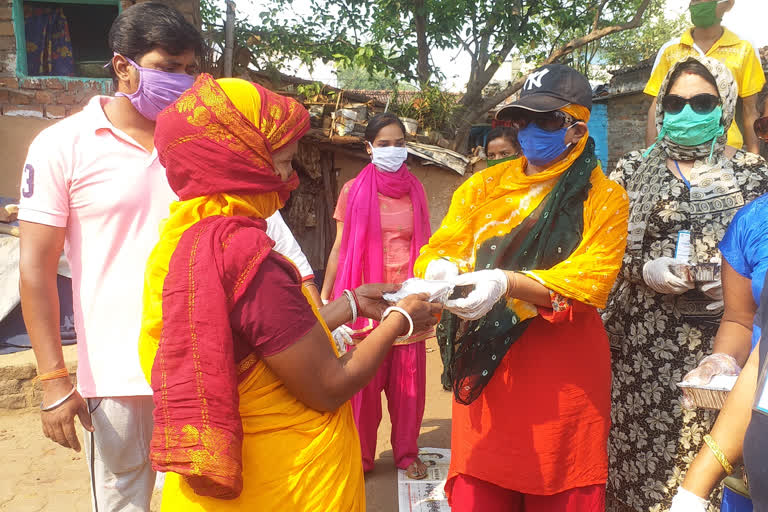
534 80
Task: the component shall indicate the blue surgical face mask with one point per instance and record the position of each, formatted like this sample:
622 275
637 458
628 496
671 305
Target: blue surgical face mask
540 146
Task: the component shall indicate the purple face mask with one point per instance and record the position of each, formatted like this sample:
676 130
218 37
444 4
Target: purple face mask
157 89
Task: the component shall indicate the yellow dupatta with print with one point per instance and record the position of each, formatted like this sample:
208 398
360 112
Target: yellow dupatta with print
571 213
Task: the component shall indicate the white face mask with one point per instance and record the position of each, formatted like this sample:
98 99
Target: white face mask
389 159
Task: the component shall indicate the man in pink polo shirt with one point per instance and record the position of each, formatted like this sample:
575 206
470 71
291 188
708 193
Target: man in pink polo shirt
93 185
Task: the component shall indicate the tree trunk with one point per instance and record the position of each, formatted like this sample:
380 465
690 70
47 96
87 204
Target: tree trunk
422 66
229 38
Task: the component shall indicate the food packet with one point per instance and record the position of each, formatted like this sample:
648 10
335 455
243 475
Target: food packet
705 272
683 271
699 273
439 291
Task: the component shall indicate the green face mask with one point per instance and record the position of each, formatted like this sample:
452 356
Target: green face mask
491 163
704 15
688 128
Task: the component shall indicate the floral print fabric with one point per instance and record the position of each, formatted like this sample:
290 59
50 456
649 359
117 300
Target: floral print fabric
656 339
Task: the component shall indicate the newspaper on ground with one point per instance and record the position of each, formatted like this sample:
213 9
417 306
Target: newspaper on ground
426 495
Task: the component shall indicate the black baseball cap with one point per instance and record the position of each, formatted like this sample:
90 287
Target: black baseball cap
549 88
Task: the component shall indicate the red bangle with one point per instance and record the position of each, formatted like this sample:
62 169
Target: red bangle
357 302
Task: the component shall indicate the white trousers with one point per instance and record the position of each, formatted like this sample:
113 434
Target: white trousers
117 454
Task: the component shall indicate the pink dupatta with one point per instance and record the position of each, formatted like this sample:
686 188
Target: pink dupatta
361 256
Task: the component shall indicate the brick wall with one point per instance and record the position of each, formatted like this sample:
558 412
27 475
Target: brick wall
628 110
52 98
48 98
627 116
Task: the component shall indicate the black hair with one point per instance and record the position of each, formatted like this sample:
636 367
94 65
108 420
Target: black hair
144 27
694 67
378 122
502 132
762 99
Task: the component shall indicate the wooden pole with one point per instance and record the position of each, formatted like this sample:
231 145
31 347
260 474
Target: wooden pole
229 38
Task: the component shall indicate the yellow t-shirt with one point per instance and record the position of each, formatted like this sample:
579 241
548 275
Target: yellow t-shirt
738 55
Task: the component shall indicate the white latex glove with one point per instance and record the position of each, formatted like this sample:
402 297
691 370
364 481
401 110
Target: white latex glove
709 367
490 286
712 289
712 365
342 337
718 305
686 501
441 270
658 277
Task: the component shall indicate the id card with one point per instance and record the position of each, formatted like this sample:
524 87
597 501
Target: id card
683 248
761 394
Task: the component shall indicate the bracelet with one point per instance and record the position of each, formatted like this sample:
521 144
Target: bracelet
357 302
58 402
55 374
718 453
407 317
352 304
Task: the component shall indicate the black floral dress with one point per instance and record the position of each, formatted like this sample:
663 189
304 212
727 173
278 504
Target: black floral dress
656 339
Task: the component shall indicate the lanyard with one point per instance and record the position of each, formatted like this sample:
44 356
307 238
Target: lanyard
687 183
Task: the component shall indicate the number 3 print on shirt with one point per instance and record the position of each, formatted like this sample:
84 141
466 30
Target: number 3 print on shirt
28 179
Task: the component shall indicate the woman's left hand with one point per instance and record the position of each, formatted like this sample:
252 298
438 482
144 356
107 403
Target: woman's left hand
372 305
489 287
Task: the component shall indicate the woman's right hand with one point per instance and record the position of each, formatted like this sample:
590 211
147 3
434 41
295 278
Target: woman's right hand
658 275
423 313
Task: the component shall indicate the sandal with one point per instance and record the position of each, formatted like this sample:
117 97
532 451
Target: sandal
417 470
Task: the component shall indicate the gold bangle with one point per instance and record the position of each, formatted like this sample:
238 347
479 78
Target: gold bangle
718 453
55 374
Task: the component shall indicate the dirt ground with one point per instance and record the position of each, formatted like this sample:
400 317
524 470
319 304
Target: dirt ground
38 475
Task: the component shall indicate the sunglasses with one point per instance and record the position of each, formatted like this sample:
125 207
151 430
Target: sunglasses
548 121
701 103
761 128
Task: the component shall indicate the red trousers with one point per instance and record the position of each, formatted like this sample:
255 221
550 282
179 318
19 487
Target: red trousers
470 494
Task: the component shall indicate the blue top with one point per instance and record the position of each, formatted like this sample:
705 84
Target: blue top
745 248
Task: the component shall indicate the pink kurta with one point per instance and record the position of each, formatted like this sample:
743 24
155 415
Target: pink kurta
397 230
402 376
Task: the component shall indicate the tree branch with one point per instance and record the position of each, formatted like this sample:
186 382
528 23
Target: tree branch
569 47
598 13
476 112
596 34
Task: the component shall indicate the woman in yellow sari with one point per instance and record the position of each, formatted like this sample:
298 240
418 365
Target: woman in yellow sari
251 398
539 240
